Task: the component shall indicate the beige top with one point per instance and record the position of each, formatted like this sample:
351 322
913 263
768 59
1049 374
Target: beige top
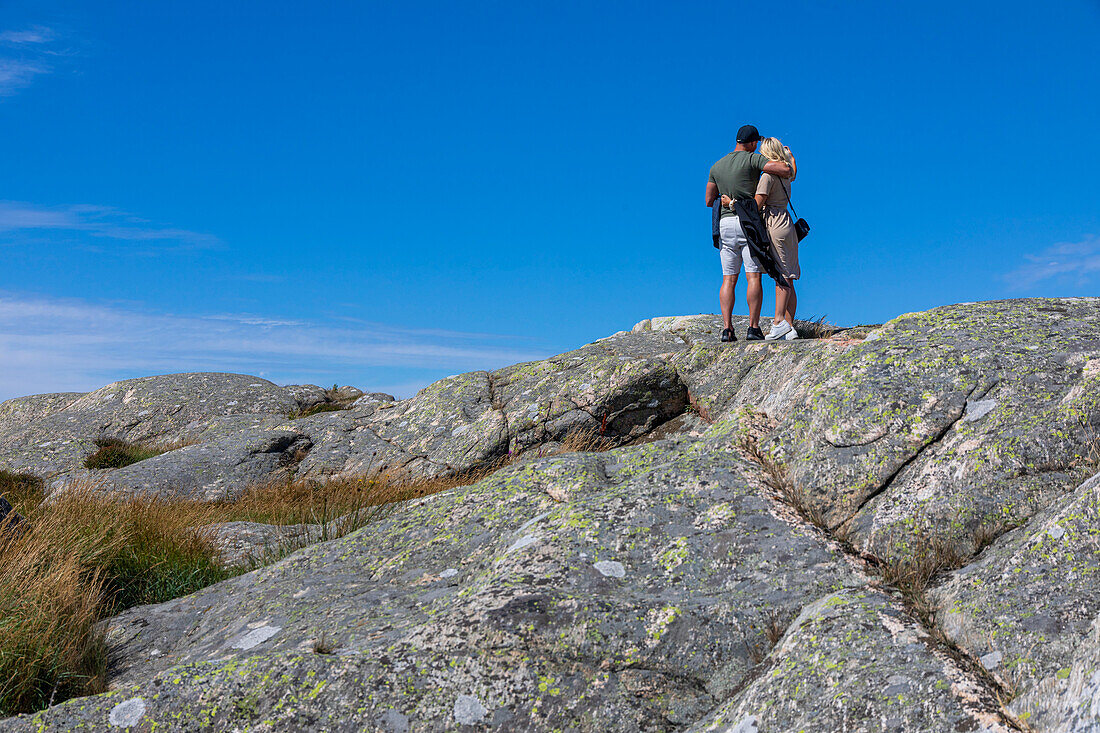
775 189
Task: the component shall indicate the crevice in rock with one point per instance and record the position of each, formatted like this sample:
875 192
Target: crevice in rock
987 696
498 406
854 444
687 680
401 449
889 480
294 452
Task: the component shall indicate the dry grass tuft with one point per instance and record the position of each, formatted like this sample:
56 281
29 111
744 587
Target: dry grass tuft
116 453
776 477
334 402
586 440
815 329
912 572
324 645
86 555
912 569
82 556
319 408
774 628
21 488
1090 461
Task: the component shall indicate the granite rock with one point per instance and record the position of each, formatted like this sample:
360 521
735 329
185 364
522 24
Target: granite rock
641 588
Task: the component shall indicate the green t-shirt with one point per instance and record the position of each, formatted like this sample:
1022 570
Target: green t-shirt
737 174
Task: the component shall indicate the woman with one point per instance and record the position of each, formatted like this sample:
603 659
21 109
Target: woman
772 195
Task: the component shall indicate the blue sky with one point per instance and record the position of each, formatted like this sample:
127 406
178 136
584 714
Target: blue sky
382 194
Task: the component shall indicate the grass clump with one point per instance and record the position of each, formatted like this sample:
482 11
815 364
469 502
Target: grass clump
84 556
116 453
774 475
319 408
815 329
20 487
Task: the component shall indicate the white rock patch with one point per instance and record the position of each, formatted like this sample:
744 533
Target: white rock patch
256 636
525 541
448 573
469 710
978 410
747 724
127 713
610 568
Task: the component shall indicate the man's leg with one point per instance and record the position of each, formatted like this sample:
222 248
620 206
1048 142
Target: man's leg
755 296
726 297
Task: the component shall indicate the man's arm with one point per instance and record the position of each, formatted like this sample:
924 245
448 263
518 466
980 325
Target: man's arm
712 193
794 163
778 168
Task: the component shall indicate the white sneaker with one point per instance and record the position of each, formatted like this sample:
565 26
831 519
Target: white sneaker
778 331
791 335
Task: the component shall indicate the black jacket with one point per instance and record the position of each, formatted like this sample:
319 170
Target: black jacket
715 218
760 242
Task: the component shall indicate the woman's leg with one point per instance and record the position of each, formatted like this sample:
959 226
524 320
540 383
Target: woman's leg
782 295
792 303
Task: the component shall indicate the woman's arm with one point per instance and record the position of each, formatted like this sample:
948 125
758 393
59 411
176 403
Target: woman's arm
794 165
763 189
727 201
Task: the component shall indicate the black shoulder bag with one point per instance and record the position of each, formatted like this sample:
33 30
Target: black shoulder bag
801 227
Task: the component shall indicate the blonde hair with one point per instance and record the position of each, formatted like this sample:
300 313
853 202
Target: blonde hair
772 149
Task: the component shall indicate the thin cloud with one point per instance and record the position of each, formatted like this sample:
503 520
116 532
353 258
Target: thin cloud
54 345
26 54
99 222
16 75
36 35
1071 262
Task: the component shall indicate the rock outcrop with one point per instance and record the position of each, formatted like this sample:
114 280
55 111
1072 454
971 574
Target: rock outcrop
678 581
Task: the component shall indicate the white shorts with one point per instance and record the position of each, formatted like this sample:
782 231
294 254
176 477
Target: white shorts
735 247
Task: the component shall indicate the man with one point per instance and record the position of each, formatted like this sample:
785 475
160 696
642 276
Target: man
736 176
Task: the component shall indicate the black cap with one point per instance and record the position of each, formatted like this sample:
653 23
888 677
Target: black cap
748 134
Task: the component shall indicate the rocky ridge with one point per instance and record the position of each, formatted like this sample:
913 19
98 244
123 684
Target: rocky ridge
660 585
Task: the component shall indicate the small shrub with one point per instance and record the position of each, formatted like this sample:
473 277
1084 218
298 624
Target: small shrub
116 453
